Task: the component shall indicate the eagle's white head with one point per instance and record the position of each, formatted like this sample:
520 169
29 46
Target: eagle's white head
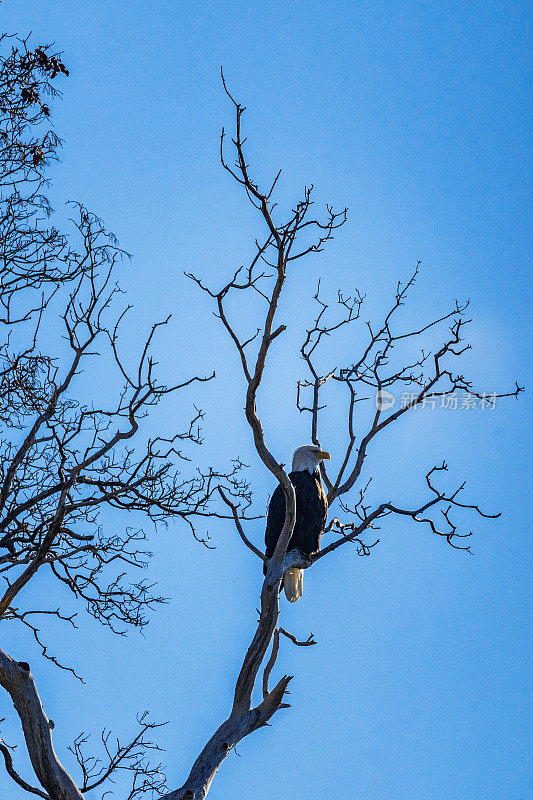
308 458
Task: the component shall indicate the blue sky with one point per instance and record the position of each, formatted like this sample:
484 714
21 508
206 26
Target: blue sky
415 116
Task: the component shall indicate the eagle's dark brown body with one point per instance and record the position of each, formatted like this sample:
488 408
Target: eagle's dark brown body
311 512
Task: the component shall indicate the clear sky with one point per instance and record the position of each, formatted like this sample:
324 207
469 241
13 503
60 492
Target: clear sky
415 116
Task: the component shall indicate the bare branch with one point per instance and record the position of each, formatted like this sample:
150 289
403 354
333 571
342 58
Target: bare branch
239 527
16 679
8 761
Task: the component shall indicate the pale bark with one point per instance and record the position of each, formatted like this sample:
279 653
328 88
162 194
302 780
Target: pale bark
16 678
244 719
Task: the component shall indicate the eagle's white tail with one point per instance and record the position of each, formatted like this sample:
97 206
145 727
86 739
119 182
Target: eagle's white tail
293 583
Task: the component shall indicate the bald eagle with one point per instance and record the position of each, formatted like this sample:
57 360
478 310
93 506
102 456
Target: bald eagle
311 512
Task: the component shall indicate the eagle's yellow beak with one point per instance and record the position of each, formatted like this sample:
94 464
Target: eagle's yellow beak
324 456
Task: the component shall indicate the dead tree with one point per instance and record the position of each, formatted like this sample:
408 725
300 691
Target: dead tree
67 456
430 375
64 461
